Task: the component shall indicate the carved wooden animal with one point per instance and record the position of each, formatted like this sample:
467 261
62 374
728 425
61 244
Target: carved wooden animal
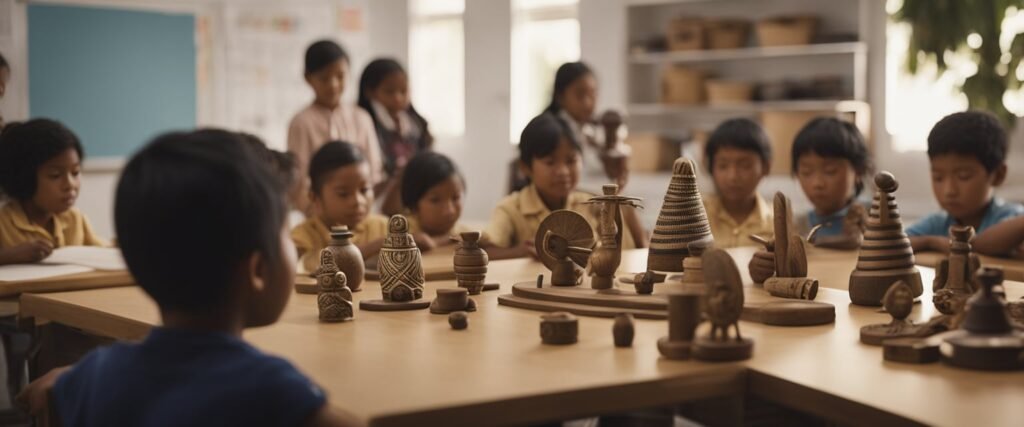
898 302
607 255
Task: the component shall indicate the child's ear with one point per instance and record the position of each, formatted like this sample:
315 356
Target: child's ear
255 269
766 168
524 168
999 175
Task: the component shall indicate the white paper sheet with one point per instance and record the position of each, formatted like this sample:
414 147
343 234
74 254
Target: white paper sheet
22 272
88 256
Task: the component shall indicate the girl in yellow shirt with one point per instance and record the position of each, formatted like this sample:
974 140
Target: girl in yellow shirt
40 163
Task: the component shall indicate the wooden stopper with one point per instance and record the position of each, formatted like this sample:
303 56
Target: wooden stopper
792 287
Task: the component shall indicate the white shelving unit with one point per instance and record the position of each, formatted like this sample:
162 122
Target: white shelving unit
759 64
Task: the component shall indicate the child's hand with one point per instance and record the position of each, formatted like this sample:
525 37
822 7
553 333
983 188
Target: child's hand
30 252
34 399
424 241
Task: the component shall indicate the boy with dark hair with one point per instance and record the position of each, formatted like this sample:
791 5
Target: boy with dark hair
967 151
738 156
201 221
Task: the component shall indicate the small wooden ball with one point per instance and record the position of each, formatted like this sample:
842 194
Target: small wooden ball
886 182
458 320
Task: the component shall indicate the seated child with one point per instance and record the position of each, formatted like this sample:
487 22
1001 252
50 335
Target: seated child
738 155
432 191
549 156
201 222
967 152
342 194
40 163
830 160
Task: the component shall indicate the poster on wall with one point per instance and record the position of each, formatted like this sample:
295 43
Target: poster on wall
264 49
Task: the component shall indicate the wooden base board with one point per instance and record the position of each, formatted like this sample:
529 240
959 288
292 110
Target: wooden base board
760 307
381 305
882 332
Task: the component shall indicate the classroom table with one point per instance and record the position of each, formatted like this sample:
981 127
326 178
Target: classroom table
1013 269
410 368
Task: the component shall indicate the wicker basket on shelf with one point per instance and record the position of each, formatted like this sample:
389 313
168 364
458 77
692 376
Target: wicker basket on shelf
682 85
787 30
727 33
729 92
685 33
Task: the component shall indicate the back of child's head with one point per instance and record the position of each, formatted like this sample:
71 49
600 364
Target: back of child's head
423 172
738 133
4 63
541 137
970 133
323 53
330 157
190 209
567 73
283 162
24 147
831 137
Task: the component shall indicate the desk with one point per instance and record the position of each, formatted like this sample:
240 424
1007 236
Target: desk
70 282
409 368
1013 269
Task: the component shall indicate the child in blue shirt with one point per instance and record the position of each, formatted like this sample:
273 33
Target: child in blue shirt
201 222
967 152
830 159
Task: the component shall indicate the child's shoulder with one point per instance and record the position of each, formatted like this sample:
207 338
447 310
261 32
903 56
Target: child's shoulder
1004 209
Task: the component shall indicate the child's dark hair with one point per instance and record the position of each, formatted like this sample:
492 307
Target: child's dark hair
331 156
373 75
323 53
189 208
831 137
738 133
282 162
971 133
24 147
3 62
541 137
423 172
567 73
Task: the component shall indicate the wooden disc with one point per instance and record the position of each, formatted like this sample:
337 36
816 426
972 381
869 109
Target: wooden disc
572 227
911 350
381 305
792 313
882 332
985 352
727 350
675 350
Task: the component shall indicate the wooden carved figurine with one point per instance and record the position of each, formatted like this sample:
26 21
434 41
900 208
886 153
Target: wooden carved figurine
607 255
885 255
401 271
788 255
558 328
347 256
684 314
693 270
954 277
334 298
682 220
644 282
623 330
987 340
898 302
723 307
564 240
470 263
452 299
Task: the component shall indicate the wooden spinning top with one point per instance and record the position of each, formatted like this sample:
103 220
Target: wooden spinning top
885 255
682 220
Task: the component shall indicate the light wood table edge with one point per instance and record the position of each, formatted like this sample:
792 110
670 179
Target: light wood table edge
72 282
92 321
820 403
730 381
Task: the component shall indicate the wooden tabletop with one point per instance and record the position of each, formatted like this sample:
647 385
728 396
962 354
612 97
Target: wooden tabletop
70 282
410 368
1013 269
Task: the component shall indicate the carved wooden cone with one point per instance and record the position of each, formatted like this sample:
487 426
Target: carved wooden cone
885 255
682 220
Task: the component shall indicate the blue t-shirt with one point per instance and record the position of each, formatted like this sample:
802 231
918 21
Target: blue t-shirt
831 225
938 223
185 378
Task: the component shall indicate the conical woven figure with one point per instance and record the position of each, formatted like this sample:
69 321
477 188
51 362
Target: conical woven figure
334 298
682 220
885 256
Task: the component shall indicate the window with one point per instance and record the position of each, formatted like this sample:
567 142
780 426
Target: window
436 64
545 34
914 103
